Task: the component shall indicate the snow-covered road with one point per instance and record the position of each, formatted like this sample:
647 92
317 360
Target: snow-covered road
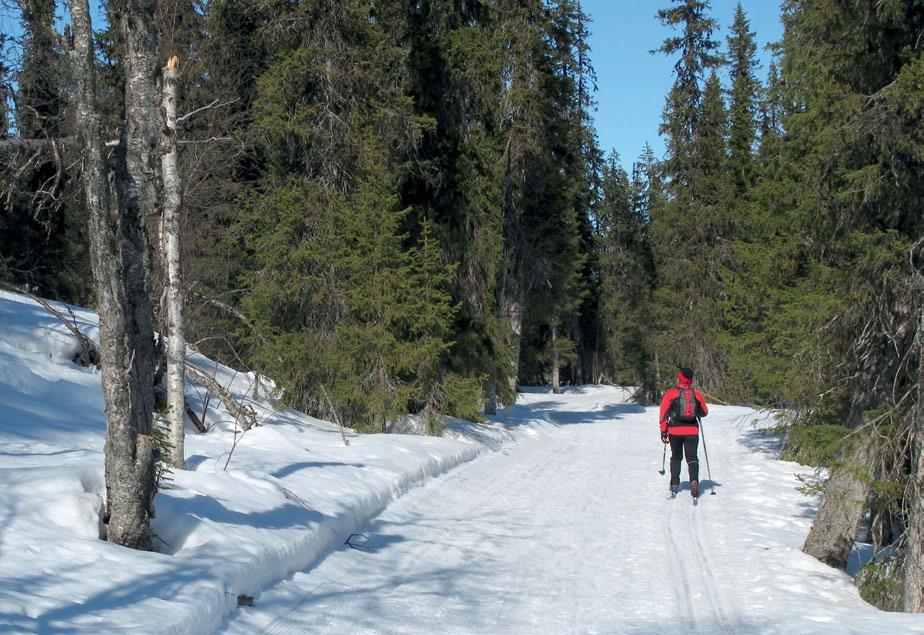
571 531
552 518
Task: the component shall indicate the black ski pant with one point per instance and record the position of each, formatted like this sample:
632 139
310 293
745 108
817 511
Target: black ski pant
684 444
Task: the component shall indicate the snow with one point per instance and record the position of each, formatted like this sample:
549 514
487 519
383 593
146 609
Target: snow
550 518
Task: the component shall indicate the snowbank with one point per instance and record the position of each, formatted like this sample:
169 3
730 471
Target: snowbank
291 492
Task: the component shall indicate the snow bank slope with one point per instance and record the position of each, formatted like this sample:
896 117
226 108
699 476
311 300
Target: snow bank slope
292 490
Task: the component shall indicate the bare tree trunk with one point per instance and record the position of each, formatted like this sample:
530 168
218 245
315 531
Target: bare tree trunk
913 592
556 370
510 311
577 370
126 319
657 363
513 311
835 526
490 399
170 244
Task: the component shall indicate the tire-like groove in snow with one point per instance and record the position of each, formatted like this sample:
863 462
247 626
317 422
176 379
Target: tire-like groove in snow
554 457
724 611
682 587
692 570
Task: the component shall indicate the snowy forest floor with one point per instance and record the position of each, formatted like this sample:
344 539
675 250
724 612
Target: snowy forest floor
554 519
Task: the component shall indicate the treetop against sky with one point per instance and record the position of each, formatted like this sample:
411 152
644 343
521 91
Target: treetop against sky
632 82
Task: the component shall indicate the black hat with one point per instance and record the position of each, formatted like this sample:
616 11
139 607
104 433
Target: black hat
687 372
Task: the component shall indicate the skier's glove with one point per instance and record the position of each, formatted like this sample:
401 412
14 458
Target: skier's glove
665 438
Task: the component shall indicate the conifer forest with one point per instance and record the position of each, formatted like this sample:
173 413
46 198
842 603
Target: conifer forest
401 207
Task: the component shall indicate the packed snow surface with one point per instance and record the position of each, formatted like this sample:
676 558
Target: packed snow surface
551 518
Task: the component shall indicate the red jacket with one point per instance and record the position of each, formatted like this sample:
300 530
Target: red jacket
669 396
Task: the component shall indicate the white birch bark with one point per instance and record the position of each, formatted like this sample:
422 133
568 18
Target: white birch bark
170 244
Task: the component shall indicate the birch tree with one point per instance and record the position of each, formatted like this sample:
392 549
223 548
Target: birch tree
170 244
117 250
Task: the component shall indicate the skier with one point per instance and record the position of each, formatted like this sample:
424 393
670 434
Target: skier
681 408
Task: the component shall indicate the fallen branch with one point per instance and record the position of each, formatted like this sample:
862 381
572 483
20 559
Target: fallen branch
359 546
89 351
199 423
243 414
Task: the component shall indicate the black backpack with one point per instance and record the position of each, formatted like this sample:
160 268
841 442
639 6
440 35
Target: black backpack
685 408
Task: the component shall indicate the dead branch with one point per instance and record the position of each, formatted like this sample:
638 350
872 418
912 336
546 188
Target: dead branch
217 103
336 416
197 421
89 351
189 142
19 143
243 414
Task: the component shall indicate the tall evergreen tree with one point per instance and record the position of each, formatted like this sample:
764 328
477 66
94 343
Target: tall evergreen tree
863 76
453 178
771 109
697 52
689 225
744 95
628 275
546 184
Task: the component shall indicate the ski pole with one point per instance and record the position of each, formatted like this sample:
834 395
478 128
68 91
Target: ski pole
663 458
706 454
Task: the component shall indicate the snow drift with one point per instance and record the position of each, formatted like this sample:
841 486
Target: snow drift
291 492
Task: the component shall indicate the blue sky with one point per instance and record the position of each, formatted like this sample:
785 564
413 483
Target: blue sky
632 83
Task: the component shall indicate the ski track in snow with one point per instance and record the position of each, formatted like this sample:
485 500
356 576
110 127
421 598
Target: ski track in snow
568 531
697 590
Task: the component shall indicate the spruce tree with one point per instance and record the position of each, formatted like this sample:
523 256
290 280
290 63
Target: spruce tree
547 184
771 110
452 181
627 272
697 53
689 223
744 98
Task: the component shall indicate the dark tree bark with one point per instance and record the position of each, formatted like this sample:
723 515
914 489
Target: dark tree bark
835 526
914 543
510 310
556 363
117 249
136 170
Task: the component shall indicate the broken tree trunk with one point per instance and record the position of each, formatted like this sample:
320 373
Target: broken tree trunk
125 312
170 245
835 526
490 398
